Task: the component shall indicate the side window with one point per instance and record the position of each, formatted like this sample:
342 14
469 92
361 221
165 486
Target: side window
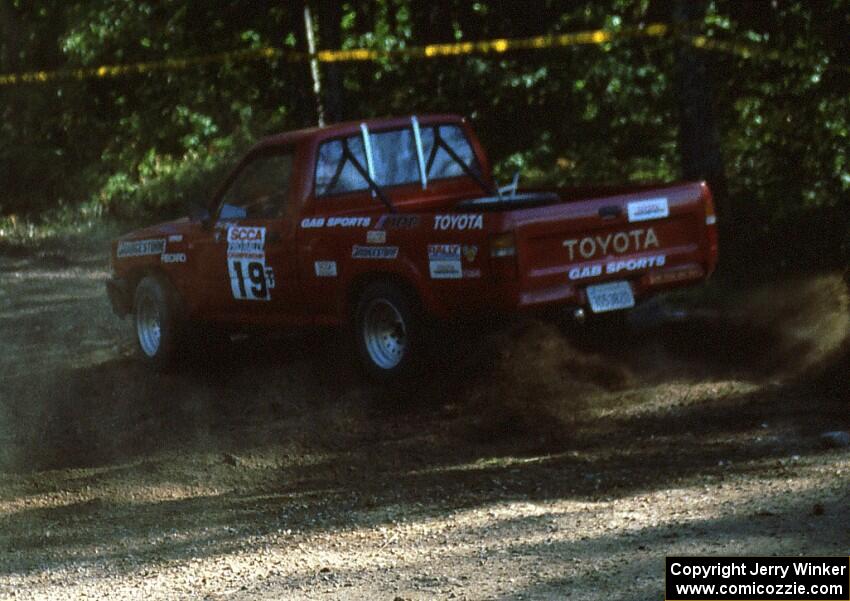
260 190
442 165
335 173
394 159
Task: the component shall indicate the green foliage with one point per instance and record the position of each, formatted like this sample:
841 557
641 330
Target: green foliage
164 185
143 146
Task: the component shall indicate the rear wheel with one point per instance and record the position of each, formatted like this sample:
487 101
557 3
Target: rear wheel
388 332
157 320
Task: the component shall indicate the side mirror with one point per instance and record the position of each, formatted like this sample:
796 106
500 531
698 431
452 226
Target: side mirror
200 214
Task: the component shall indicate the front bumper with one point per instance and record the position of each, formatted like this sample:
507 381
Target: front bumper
118 291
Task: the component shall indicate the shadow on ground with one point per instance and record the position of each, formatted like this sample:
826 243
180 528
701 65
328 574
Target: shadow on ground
265 433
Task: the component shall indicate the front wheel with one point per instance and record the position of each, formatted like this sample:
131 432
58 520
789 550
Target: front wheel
388 333
157 321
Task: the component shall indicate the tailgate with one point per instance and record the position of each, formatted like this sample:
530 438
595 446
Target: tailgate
614 238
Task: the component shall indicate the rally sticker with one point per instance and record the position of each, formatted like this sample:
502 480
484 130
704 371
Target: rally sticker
140 248
173 257
459 222
250 277
376 236
246 241
652 208
374 252
397 222
316 222
325 269
444 261
594 270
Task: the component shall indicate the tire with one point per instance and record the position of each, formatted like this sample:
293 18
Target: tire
388 333
157 321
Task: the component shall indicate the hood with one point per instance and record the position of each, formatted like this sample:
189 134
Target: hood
178 226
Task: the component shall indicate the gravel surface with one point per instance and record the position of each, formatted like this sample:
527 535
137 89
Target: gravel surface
531 463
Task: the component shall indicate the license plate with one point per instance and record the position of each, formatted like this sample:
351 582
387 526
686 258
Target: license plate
610 297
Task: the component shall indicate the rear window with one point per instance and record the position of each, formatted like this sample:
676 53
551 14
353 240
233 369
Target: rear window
394 159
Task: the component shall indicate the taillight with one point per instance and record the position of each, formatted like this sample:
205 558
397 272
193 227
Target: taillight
503 256
710 215
711 227
503 245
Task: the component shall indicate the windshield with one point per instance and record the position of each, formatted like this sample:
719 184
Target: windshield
394 159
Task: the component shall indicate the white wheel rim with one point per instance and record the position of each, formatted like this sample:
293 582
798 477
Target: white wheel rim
148 325
384 333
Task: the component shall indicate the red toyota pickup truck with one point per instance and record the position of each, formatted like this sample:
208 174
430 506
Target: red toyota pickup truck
390 224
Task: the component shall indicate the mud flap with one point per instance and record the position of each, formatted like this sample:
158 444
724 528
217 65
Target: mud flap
119 296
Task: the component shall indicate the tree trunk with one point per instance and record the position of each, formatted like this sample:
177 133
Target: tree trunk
309 29
330 38
699 140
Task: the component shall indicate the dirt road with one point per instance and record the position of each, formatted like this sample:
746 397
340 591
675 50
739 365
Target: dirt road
531 464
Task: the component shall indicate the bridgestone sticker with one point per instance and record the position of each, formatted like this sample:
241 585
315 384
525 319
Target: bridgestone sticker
140 248
444 261
374 252
325 269
644 210
250 278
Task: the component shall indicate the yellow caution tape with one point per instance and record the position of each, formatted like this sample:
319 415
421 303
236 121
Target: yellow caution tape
750 51
738 49
497 46
172 64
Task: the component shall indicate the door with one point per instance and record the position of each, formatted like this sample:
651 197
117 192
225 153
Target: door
248 260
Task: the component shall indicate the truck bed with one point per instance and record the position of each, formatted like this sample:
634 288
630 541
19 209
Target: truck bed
650 236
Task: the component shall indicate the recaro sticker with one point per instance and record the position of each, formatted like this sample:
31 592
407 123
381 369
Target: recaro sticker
173 257
250 278
652 208
140 248
444 261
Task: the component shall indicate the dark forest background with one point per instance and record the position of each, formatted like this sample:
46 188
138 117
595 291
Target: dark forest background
770 130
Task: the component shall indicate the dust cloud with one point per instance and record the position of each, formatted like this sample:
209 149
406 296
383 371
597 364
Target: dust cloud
74 395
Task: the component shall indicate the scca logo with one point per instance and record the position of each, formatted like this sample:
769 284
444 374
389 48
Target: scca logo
246 234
